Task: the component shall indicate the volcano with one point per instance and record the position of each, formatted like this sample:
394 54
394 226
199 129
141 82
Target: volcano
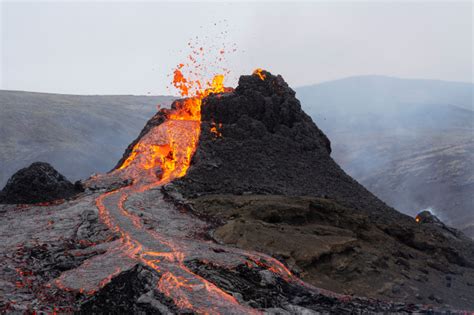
229 203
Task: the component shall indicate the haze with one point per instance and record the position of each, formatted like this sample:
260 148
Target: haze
131 48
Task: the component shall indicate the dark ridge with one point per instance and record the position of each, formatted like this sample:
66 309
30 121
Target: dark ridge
127 294
260 289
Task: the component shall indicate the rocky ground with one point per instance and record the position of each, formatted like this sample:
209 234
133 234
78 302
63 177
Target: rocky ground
63 258
339 249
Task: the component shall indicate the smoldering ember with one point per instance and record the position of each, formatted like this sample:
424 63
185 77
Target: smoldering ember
230 203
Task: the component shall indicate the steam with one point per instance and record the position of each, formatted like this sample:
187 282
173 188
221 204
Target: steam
408 141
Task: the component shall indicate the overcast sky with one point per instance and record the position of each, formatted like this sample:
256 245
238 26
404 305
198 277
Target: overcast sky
131 48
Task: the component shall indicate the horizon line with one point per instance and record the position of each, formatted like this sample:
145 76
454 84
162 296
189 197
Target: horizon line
296 87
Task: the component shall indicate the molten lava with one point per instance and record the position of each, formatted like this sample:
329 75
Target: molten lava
215 129
259 72
167 150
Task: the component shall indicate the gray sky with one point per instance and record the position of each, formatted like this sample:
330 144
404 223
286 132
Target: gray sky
131 48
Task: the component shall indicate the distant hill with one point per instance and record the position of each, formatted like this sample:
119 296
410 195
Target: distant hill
408 141
78 135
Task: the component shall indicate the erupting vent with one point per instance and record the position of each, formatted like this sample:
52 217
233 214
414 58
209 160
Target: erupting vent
163 154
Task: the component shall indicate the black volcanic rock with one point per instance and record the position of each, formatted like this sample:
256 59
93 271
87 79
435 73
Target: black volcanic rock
39 182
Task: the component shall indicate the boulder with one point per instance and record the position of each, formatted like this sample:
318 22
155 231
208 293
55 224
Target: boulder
39 182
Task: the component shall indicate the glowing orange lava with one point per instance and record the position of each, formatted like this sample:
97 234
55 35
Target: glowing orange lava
215 129
170 153
259 72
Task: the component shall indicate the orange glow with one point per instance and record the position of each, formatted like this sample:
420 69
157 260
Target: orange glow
215 129
259 72
417 219
172 285
172 156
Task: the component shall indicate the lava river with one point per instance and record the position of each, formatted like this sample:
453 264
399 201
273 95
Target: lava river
160 156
